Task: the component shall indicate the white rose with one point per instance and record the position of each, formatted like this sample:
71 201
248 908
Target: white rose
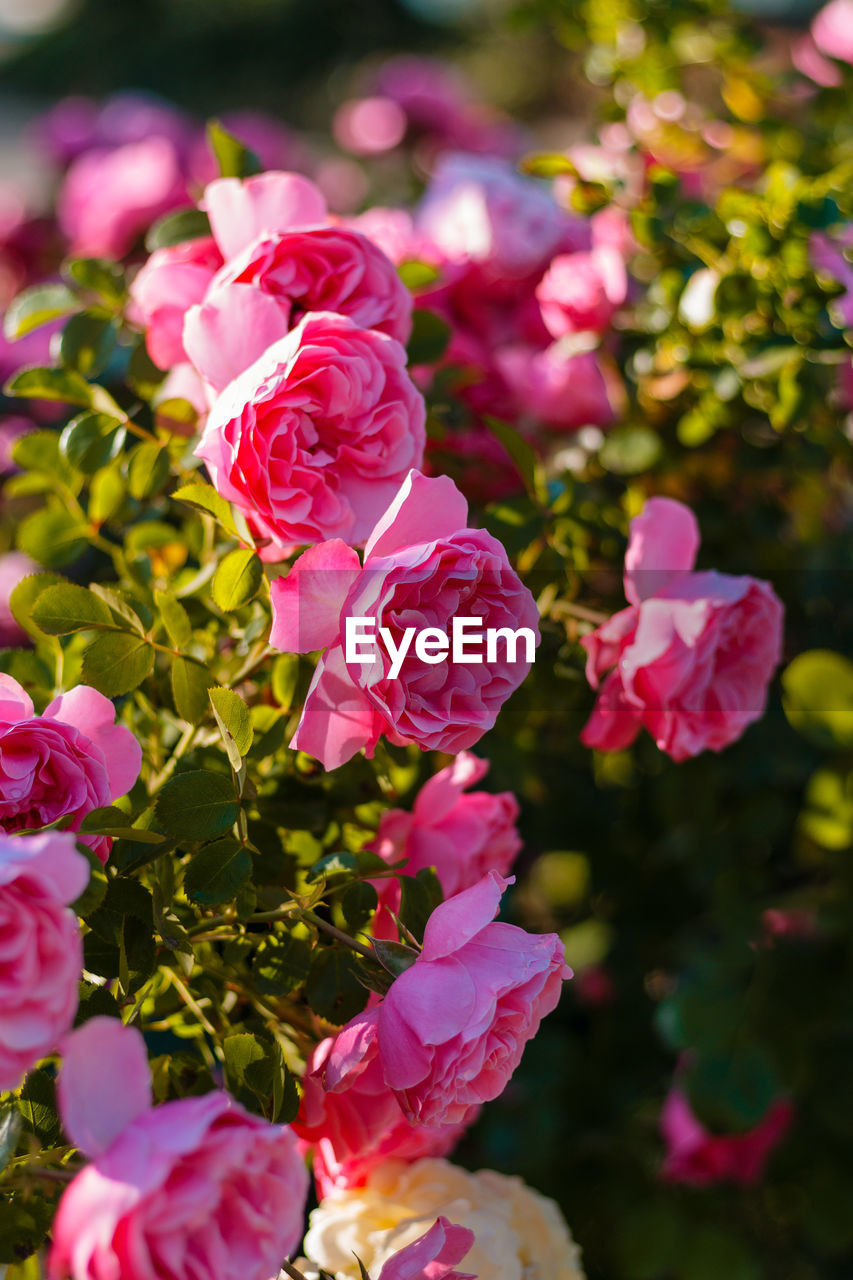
519 1234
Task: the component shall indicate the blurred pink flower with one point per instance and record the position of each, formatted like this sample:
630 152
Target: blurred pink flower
700 1158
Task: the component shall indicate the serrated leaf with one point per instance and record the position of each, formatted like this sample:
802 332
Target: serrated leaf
53 537
237 579
176 228
37 306
334 990
10 1131
235 724
93 895
117 662
205 498
234 159
148 469
63 609
175 619
217 873
40 383
190 685
419 896
37 1102
110 821
120 607
197 805
91 441
281 963
23 598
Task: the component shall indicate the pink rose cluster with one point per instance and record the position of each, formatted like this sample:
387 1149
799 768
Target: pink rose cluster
194 1187
699 1158
41 951
691 658
422 567
63 763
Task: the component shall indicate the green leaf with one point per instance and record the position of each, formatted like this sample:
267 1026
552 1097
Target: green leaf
91 441
217 873
65 608
175 619
417 275
110 821
93 895
627 451
731 1092
37 306
176 228
235 724
818 697
333 989
148 469
39 451
419 896
86 343
53 537
106 495
523 455
394 956
117 662
99 276
281 963
23 1227
38 383
205 498
430 336
237 579
284 678
122 609
549 164
256 1074
197 805
38 1106
234 159
23 598
190 683
10 1131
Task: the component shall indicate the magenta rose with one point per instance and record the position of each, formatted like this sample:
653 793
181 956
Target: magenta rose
452 1028
62 764
350 1133
195 1187
433 1256
41 952
171 281
423 567
281 277
691 659
462 834
582 291
700 1158
313 440
563 390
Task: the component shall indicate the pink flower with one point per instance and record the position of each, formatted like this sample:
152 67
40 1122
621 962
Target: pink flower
41 953
433 1256
62 764
582 291
423 566
353 1132
172 280
195 1187
110 197
700 1158
269 286
14 567
691 658
313 440
827 255
452 1028
461 834
832 30
557 388
369 126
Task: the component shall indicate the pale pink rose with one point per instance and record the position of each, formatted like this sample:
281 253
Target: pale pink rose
369 126
809 60
353 1132
582 291
700 1158
241 211
62 764
433 1256
451 1029
692 656
422 567
109 197
14 567
77 124
171 281
832 30
393 230
481 210
194 1187
462 834
314 439
269 286
41 952
557 388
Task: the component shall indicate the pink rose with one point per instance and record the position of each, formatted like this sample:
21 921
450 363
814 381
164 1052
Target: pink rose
827 254
353 1132
832 30
462 835
691 658
433 1256
14 567
700 1158
422 567
313 440
41 953
582 291
110 196
559 389
452 1028
195 1187
172 280
62 764
276 279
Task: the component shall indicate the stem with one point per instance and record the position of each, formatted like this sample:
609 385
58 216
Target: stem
580 611
345 938
293 1272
